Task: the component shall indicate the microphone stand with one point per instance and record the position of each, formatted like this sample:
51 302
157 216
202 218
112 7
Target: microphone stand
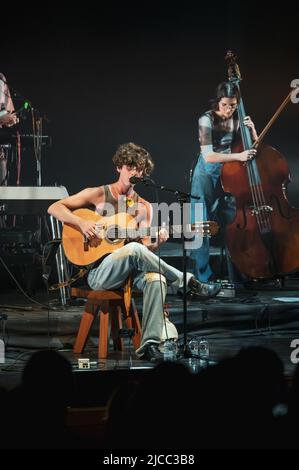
182 197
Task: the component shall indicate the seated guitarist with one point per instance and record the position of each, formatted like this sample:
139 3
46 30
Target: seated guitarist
133 259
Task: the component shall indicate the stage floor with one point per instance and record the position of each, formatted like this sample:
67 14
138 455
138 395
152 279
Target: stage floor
251 318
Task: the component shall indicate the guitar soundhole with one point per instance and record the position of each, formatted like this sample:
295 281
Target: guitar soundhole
114 234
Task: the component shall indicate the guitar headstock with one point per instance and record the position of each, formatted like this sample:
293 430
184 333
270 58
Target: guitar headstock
207 228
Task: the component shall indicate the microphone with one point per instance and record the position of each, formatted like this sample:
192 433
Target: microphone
141 179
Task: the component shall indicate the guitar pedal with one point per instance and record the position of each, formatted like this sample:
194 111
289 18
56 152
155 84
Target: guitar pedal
83 363
227 290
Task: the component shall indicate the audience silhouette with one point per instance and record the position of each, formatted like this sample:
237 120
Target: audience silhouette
230 405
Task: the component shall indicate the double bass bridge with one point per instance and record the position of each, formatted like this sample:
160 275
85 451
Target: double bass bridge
258 210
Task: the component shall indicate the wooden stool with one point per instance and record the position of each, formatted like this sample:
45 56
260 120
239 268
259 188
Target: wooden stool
111 305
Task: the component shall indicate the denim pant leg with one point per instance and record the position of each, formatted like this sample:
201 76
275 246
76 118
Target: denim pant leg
136 260
202 186
154 288
131 259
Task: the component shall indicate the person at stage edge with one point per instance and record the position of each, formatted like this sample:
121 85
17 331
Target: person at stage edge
8 118
135 259
7 112
218 131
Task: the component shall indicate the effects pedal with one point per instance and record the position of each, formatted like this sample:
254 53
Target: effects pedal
227 290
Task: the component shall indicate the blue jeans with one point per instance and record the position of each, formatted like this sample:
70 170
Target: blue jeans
217 205
204 186
134 259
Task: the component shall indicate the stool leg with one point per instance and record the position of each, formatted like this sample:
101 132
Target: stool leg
116 324
85 325
104 330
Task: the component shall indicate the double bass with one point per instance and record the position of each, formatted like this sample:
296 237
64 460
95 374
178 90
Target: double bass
263 238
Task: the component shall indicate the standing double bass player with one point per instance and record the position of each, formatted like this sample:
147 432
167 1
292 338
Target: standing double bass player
263 237
219 129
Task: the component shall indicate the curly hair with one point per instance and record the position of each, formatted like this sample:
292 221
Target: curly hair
133 155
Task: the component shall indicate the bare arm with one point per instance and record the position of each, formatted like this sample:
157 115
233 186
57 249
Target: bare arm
216 157
62 210
206 140
8 119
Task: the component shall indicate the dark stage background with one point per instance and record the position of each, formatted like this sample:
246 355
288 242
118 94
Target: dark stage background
144 73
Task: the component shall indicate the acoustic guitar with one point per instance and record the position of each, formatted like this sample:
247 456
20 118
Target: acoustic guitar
112 233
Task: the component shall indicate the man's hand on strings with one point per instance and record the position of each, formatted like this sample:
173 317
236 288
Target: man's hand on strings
90 229
163 234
